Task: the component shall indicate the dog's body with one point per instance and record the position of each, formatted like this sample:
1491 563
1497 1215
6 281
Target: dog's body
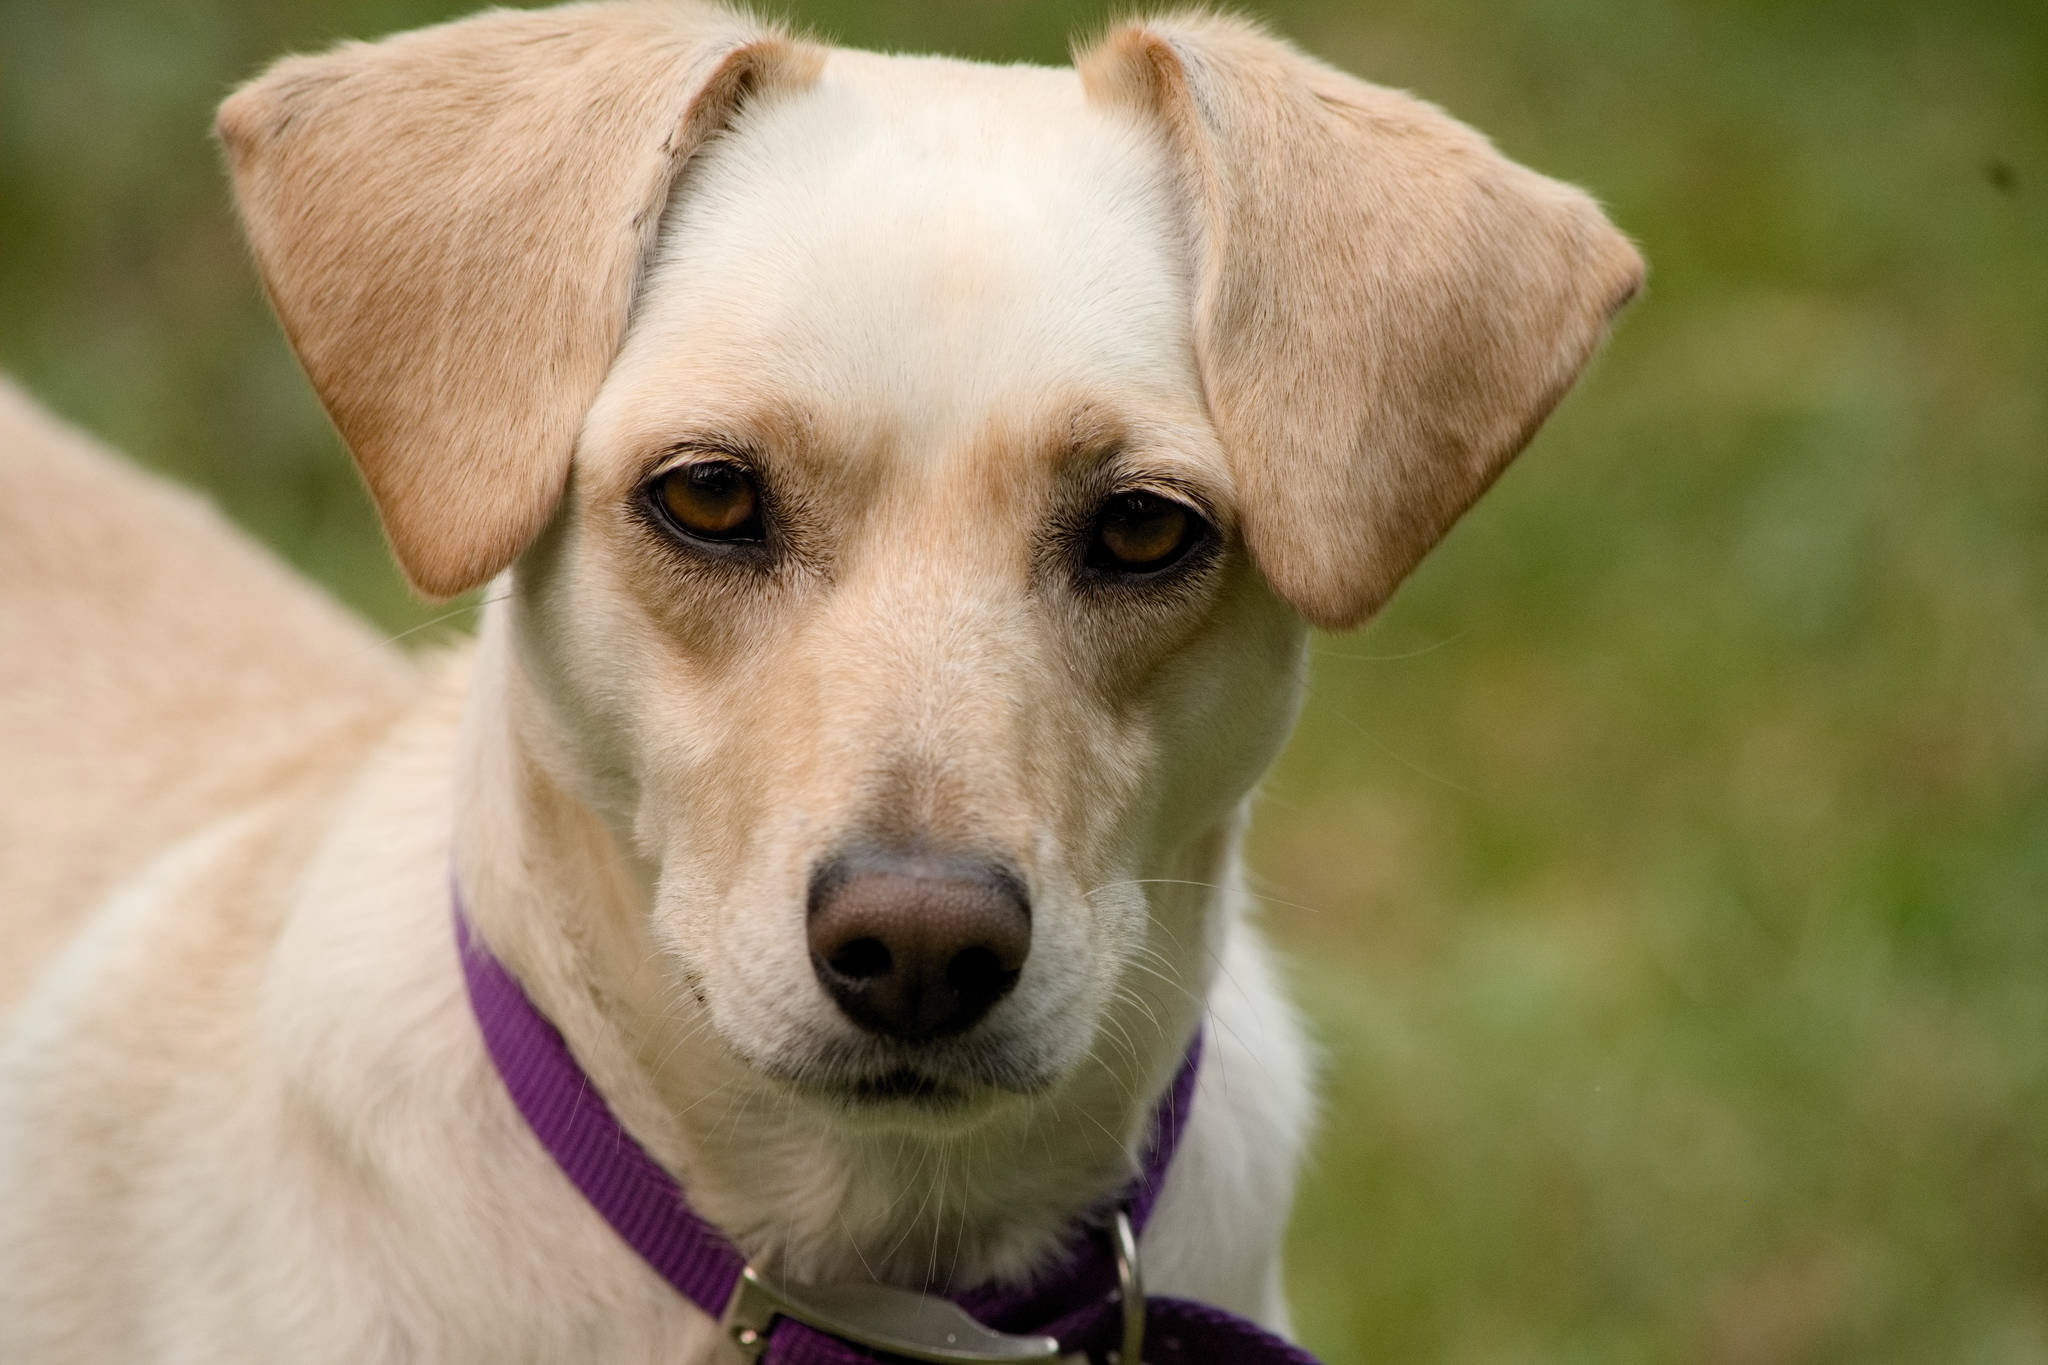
930 320
248 1114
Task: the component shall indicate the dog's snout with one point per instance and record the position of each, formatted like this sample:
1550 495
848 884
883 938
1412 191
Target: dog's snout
915 946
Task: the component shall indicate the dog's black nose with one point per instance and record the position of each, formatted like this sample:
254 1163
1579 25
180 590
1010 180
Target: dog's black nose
915 945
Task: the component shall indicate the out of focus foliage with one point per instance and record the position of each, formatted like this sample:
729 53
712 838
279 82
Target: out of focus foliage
1666 871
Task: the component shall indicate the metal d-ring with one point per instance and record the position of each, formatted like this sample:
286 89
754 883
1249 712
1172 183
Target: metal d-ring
1130 1288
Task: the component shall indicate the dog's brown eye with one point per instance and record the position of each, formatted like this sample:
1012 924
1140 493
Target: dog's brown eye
1142 533
712 499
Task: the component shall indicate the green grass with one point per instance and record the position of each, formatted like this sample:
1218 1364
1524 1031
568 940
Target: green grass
1667 869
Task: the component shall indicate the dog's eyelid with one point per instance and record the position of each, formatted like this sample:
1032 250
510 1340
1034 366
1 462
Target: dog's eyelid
1173 487
700 449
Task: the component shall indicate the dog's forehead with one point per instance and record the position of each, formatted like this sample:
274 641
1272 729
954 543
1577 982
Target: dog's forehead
921 243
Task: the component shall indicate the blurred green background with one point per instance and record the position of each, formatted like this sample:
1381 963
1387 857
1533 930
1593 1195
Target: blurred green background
1666 871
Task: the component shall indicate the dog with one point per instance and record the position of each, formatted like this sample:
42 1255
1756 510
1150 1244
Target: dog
902 489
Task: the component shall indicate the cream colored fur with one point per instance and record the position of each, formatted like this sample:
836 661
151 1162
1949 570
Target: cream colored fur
529 259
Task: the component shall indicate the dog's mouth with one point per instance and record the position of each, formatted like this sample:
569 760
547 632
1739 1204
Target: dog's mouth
909 1087
953 1083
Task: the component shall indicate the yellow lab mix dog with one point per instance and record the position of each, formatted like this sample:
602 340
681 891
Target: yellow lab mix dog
905 487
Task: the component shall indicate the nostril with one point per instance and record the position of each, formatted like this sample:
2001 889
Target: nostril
978 974
863 959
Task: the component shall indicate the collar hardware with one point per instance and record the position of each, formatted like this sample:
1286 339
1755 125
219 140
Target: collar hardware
1130 1288
895 1321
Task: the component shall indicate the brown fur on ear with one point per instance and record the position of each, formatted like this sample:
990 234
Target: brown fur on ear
1387 310
450 224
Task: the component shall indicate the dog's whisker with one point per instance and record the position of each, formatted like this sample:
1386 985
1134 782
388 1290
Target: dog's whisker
853 1242
1130 996
1323 651
931 1273
1120 1144
1124 1042
1390 751
1224 888
916 1216
1170 982
465 609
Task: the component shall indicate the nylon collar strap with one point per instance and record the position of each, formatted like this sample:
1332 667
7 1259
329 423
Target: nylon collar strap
1076 1304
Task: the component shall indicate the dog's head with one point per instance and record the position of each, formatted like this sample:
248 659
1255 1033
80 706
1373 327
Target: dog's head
915 477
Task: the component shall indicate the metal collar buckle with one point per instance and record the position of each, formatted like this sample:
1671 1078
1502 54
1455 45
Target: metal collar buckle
916 1326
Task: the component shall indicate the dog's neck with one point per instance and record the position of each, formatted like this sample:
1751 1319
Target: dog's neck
801 1190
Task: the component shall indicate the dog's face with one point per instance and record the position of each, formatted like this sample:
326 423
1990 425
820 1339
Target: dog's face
917 476
899 549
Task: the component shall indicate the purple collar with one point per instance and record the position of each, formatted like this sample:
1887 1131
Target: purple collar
1077 1305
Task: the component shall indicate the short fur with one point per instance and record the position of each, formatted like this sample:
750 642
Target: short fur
939 310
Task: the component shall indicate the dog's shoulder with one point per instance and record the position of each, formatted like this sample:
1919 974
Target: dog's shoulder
158 670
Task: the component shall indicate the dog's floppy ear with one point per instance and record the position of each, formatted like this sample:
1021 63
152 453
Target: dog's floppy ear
450 224
1387 308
